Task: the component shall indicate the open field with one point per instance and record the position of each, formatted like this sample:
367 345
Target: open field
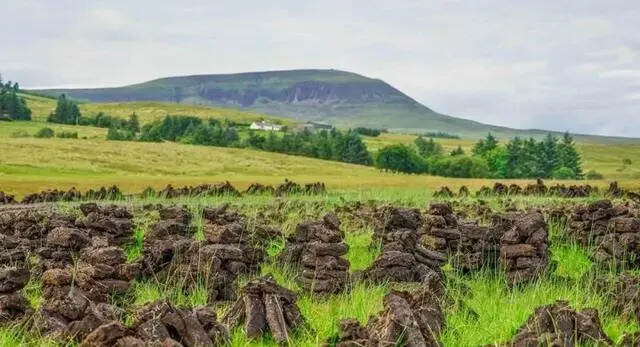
31 164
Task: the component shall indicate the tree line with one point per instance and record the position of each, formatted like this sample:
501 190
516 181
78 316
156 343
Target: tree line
330 145
68 112
372 132
530 158
548 158
11 104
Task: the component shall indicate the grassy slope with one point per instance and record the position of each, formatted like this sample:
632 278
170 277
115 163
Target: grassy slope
385 106
149 111
33 164
29 164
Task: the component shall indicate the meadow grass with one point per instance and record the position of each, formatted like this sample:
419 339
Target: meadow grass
29 164
149 111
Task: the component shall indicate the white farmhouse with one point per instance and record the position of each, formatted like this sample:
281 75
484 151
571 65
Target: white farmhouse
262 125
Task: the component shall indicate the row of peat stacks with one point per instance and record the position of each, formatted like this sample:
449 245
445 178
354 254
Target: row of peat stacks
612 230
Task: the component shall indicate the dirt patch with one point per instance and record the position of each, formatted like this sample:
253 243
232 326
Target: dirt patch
13 306
265 306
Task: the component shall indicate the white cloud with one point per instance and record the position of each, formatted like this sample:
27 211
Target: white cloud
546 64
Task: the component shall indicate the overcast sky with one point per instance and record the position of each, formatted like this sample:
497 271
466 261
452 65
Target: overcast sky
552 64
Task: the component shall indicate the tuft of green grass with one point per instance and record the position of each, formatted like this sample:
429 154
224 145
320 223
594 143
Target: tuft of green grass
12 336
362 249
145 292
571 261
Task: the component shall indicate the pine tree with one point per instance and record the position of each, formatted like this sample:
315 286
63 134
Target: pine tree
134 123
530 164
547 156
66 112
457 151
515 159
484 146
569 157
428 148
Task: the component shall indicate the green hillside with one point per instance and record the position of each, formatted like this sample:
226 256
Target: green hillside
340 98
149 111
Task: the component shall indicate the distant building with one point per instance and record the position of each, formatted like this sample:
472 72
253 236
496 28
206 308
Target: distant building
312 126
5 117
262 125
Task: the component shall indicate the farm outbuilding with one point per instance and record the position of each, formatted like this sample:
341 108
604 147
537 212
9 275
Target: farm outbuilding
265 126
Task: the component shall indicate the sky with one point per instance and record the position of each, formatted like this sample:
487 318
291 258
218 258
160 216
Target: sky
547 64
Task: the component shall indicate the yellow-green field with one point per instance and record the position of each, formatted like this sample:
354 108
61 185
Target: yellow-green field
148 111
29 164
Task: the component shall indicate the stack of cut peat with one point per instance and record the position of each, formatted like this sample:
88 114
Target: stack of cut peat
624 294
229 250
68 310
100 227
408 319
469 245
318 247
13 306
559 325
24 231
6 199
162 324
111 223
524 244
76 298
403 258
170 236
613 230
264 306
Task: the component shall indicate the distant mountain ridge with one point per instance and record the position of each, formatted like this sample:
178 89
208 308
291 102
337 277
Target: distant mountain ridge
337 97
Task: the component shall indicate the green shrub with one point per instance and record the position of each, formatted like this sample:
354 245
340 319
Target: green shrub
564 173
45 133
594 175
115 134
400 158
460 166
67 135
